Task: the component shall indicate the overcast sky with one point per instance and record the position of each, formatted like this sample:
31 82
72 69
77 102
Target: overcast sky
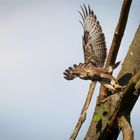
38 40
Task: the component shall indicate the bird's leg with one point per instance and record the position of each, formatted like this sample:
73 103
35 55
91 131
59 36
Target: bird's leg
107 85
109 77
114 83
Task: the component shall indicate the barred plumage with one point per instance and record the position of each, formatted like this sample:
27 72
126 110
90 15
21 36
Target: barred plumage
90 72
94 45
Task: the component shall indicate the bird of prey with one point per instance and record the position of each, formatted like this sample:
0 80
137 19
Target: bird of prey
94 47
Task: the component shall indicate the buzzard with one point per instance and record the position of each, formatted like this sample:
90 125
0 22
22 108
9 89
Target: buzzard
94 47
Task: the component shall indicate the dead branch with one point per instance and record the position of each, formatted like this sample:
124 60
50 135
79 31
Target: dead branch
125 125
119 31
83 112
118 35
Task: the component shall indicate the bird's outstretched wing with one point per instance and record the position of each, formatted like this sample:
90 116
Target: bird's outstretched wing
94 45
94 53
93 73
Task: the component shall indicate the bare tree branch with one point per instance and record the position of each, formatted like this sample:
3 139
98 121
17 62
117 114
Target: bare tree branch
119 31
125 125
118 35
83 112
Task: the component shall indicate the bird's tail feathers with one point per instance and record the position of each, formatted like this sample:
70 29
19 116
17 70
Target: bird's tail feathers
72 72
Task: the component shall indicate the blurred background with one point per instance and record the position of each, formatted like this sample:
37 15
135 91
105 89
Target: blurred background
39 39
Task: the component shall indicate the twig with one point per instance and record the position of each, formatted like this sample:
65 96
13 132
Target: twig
83 112
127 131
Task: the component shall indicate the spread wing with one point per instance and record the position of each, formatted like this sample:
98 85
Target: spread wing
94 45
